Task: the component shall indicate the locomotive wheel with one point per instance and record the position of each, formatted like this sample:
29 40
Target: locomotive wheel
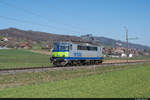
96 63
80 63
92 62
100 62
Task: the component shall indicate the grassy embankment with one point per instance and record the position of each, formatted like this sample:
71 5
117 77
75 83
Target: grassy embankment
22 58
129 81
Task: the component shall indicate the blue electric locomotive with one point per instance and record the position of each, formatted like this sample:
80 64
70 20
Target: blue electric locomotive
70 53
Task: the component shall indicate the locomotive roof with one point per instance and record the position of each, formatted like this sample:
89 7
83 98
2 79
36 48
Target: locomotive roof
82 43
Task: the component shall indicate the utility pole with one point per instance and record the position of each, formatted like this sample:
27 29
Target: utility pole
127 43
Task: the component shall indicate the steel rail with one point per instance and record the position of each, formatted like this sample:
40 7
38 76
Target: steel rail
69 67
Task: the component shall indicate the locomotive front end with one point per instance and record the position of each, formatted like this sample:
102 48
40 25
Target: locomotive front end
59 53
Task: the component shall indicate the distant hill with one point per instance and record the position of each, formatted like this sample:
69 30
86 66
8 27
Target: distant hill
108 42
115 43
22 35
35 35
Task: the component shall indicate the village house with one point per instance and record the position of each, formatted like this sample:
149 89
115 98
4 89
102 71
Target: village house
4 39
25 45
120 52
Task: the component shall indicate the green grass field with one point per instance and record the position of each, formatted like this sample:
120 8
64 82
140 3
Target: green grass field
129 81
13 58
22 58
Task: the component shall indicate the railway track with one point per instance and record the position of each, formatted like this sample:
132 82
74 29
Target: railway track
52 68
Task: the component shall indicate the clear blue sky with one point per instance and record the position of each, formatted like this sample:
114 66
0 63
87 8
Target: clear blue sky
79 17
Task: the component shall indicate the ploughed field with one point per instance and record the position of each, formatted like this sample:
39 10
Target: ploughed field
116 81
22 58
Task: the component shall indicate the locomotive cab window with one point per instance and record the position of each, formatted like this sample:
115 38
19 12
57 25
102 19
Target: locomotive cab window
64 46
55 45
70 47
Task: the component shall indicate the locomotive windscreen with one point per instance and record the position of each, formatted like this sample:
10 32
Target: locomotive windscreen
60 46
64 46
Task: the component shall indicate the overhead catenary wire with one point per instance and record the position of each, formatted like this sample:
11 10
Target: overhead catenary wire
74 31
35 14
34 23
39 15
